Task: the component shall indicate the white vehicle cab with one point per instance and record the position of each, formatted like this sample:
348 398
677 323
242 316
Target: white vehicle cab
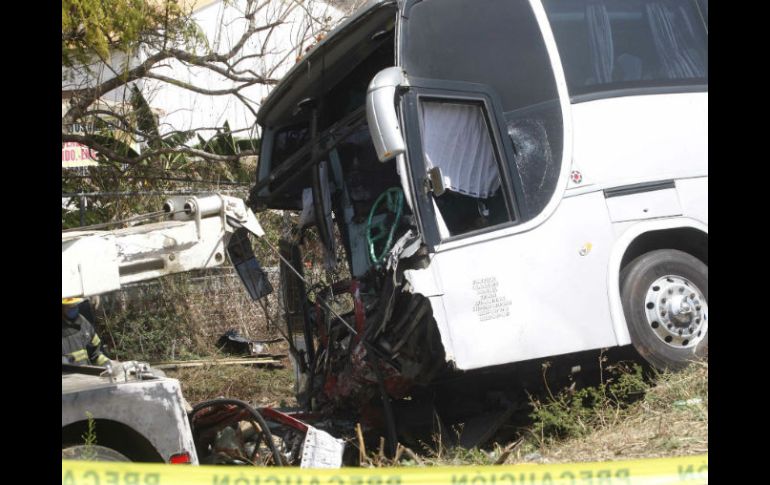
510 180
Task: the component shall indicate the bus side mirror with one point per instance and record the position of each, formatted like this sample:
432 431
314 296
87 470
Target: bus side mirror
381 113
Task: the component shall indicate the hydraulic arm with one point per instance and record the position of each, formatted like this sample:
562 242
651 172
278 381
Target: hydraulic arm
196 237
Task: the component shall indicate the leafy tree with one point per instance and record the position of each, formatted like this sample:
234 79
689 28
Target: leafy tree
112 50
99 27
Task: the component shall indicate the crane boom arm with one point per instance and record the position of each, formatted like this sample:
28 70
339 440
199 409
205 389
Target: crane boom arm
196 237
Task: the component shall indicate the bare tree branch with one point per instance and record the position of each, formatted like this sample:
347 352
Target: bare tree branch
86 96
126 127
196 89
246 103
166 43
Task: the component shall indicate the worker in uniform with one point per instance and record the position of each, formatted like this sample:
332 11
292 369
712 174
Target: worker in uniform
80 345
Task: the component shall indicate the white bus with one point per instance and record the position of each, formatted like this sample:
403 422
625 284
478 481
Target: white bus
504 180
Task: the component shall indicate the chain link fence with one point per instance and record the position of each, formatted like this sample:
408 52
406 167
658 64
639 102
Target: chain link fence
183 315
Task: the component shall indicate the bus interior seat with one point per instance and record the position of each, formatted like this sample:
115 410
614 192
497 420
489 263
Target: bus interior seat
464 213
628 67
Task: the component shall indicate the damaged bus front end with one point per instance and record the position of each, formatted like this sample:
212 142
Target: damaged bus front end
318 158
428 147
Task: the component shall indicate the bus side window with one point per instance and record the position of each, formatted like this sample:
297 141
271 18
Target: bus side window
607 45
456 138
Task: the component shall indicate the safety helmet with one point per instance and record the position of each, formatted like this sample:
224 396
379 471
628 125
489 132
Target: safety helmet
71 301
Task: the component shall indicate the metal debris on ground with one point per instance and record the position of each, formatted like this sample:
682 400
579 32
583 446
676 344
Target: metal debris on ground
226 433
271 361
232 342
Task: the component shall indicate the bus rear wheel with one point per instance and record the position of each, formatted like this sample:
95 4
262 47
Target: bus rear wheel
664 295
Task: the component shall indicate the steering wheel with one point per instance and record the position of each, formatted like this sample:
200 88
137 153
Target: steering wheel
393 200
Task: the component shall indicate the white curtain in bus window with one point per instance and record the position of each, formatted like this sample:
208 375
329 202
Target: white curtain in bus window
456 139
600 42
675 41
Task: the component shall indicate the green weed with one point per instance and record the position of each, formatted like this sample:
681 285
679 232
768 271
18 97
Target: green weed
89 438
577 412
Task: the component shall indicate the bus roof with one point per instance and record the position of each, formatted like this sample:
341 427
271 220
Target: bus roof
281 99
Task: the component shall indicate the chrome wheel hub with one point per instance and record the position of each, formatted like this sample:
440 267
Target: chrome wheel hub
676 311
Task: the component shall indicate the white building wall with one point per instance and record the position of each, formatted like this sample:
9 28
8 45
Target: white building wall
222 23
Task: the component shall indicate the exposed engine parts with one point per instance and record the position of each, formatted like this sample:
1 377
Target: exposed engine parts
229 431
395 334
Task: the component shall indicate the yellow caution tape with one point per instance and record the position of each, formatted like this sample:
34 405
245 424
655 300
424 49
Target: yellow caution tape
680 470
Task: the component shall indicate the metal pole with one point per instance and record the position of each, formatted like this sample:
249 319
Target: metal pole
82 210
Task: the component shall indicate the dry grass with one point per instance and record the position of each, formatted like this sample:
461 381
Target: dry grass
261 386
671 419
182 316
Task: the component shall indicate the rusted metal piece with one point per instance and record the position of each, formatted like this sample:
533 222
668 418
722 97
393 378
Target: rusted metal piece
271 414
208 422
397 386
230 442
322 335
220 415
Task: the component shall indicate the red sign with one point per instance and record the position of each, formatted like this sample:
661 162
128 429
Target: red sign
77 155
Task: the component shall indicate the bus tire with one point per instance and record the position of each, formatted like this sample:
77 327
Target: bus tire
664 295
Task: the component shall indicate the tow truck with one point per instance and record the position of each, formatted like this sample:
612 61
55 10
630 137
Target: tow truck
133 411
